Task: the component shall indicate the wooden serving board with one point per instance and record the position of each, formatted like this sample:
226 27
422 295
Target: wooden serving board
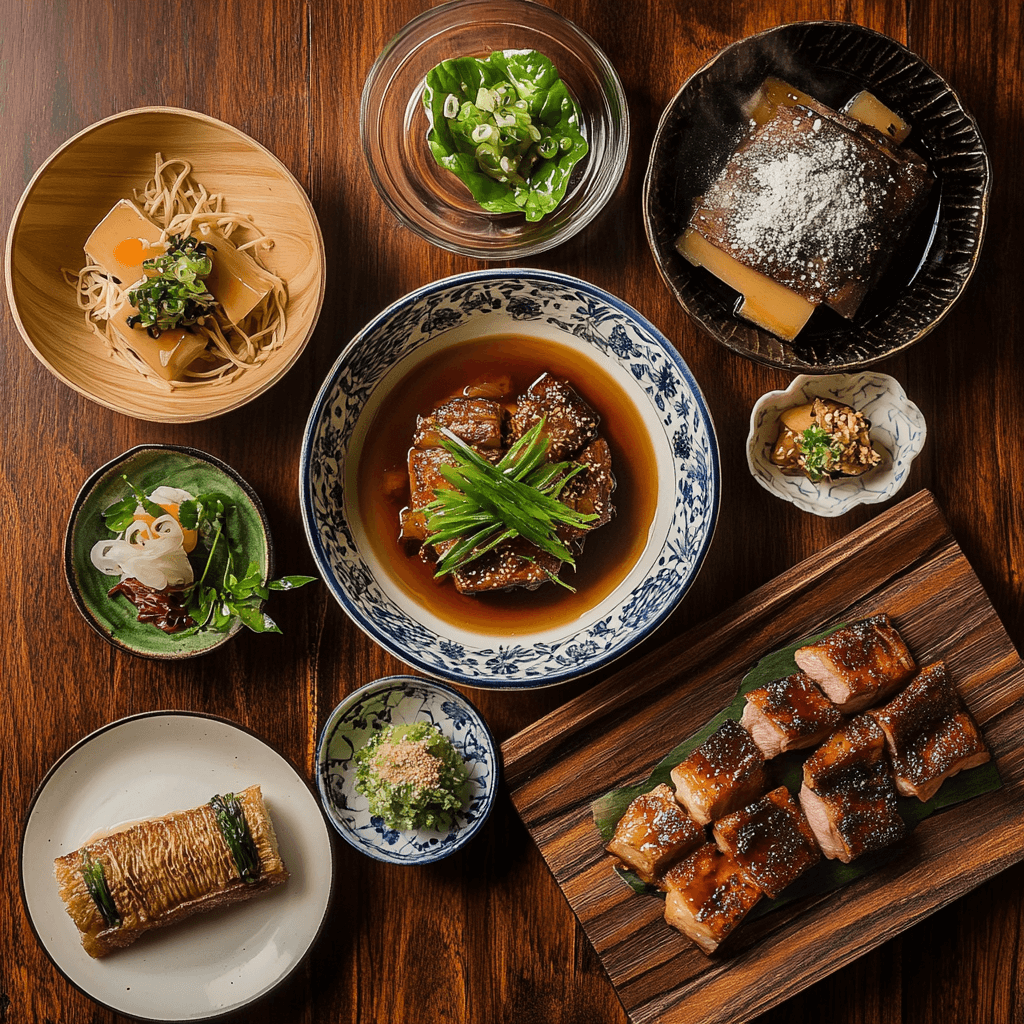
904 562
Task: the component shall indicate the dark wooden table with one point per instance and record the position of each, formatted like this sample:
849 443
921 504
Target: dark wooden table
486 935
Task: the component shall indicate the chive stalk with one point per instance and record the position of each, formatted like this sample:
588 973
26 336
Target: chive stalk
235 831
96 883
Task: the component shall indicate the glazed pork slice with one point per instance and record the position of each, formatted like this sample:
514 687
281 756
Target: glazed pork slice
859 665
590 491
848 794
725 772
570 424
770 841
516 563
930 733
789 714
653 833
708 896
477 421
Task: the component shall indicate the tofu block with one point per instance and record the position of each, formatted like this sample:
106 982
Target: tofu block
859 665
770 841
929 733
654 833
789 714
725 772
236 281
707 897
122 241
870 110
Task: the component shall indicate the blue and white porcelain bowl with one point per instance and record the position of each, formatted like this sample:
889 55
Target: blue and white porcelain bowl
577 323
898 431
402 700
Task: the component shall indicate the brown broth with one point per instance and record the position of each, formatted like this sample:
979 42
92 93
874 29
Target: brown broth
608 555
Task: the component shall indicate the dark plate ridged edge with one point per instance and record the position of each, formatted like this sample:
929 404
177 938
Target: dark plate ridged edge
954 150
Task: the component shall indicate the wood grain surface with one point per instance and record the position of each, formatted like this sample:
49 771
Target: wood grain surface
904 562
486 936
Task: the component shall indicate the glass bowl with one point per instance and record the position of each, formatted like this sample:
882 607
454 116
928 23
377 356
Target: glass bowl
432 201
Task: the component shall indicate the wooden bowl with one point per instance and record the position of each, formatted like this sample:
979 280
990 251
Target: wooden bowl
77 186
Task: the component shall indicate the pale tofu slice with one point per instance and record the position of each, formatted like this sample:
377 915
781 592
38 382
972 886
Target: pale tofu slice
654 833
707 897
725 772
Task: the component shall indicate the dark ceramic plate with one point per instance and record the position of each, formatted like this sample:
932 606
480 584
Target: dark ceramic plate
699 131
148 466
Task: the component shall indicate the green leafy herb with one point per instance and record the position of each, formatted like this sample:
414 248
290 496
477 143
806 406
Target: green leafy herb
96 883
176 295
403 803
235 830
227 584
818 451
489 504
121 514
507 127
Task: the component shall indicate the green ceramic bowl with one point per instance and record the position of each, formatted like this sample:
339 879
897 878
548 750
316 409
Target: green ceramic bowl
148 466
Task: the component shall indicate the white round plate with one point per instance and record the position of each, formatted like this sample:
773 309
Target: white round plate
153 764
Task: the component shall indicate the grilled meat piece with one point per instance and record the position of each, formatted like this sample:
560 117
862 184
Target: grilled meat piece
516 563
708 896
848 793
789 714
770 841
930 734
477 421
590 491
859 665
159 872
570 424
653 833
725 772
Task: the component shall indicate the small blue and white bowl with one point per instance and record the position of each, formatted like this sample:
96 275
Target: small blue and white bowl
401 700
579 323
898 431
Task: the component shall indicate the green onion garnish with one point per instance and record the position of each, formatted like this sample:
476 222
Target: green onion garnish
96 883
490 504
176 296
235 830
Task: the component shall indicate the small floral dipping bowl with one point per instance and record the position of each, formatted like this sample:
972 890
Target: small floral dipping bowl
595 335
898 431
401 700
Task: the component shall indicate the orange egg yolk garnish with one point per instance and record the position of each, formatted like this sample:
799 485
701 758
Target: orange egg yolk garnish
132 251
191 536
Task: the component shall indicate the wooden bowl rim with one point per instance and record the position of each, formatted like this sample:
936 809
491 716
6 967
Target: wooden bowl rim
233 402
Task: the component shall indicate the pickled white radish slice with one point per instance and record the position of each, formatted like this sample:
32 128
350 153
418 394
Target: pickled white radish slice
154 555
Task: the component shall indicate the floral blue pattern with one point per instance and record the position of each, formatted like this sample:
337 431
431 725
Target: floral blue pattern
573 313
400 700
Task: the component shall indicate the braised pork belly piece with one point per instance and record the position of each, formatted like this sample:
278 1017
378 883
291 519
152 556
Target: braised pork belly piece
725 772
487 420
770 840
480 422
569 423
848 794
707 896
859 665
930 733
789 714
654 833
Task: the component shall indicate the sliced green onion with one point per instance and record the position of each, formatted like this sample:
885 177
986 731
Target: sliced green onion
451 105
235 831
96 883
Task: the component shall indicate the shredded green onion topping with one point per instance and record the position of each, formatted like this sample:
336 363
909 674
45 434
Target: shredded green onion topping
96 883
235 830
493 503
176 295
